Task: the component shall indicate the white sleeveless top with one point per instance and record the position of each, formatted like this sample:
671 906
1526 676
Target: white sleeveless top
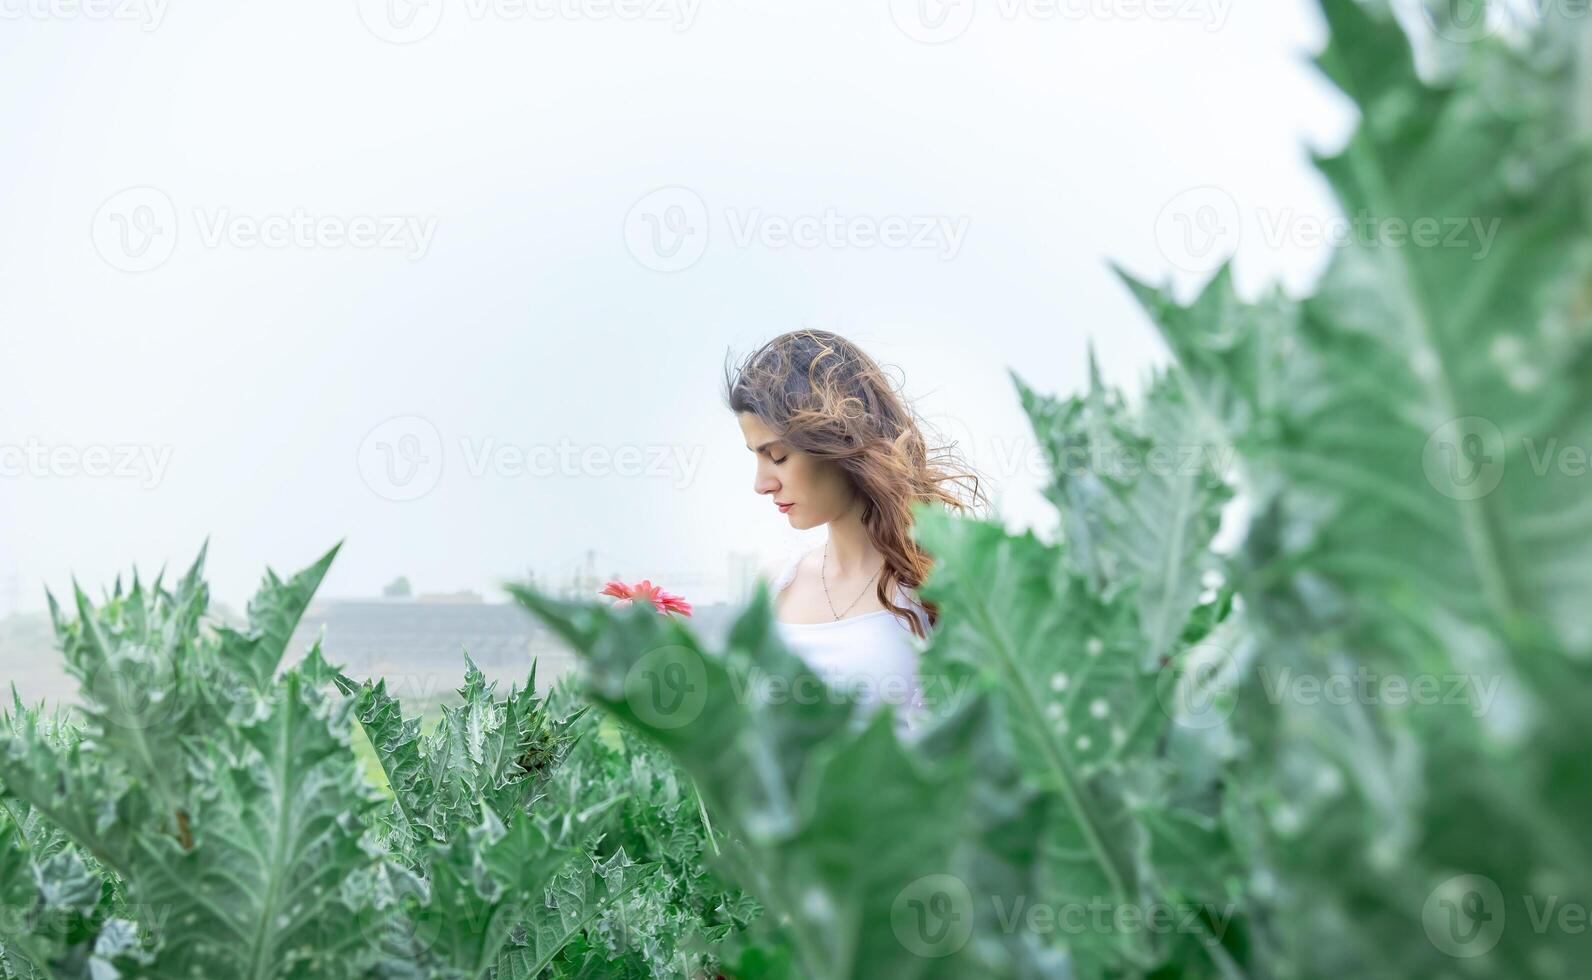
874 655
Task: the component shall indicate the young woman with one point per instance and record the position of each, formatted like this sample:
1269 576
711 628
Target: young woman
837 445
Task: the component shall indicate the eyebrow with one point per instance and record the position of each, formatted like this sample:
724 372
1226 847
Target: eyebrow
763 446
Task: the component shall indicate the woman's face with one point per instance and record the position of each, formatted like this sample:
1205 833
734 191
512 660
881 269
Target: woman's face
816 489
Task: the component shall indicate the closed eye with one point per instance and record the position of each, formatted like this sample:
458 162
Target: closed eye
781 459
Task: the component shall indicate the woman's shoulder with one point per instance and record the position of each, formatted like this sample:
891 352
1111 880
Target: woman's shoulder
787 572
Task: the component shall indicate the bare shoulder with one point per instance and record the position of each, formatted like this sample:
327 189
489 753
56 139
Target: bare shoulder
787 584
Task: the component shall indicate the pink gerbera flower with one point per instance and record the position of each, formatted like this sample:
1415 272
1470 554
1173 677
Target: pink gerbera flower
666 602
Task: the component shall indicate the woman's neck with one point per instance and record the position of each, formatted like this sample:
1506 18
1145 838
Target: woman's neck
851 551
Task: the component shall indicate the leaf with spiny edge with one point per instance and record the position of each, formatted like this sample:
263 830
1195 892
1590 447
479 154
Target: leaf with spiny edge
273 614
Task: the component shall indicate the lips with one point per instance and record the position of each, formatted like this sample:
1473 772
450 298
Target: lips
783 508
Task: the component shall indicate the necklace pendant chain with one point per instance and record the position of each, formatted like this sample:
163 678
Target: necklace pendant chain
824 579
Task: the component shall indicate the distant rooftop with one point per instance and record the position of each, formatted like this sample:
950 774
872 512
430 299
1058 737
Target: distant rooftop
423 639
430 630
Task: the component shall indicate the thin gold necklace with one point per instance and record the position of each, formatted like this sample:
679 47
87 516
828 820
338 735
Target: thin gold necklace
824 580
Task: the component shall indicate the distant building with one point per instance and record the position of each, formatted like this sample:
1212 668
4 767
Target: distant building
419 643
463 597
742 571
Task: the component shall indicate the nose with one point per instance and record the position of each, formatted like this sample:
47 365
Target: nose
764 481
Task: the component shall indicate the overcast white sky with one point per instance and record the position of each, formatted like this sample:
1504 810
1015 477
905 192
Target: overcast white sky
238 239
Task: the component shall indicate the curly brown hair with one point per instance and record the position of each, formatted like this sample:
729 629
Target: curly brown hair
827 398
